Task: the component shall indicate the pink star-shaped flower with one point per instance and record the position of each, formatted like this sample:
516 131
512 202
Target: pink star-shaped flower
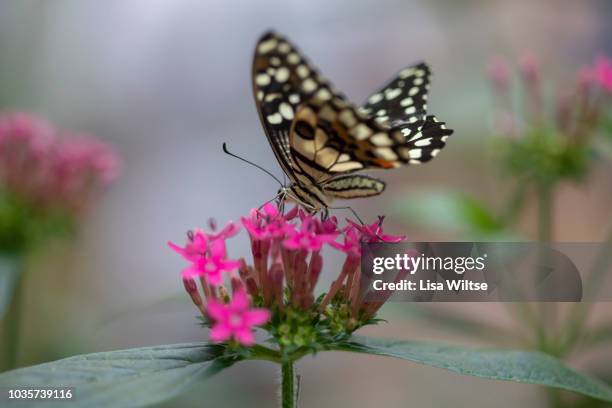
196 246
208 259
307 238
374 232
351 244
267 223
236 319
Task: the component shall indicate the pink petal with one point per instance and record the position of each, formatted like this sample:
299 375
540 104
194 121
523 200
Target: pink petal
292 243
392 238
179 250
220 332
215 277
217 310
245 336
270 210
230 265
256 317
252 228
327 237
200 241
229 230
314 246
190 272
291 214
308 223
217 248
240 300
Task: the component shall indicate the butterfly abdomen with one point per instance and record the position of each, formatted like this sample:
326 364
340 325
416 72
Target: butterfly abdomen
353 186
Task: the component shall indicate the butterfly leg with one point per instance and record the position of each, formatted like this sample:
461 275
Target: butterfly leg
281 204
324 214
351 210
280 197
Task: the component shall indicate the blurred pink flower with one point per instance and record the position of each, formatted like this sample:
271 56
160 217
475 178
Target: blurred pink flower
235 319
529 67
585 77
499 72
603 72
21 127
307 238
49 171
82 166
86 154
25 143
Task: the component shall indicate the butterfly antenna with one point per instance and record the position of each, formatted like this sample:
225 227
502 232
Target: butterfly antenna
252 164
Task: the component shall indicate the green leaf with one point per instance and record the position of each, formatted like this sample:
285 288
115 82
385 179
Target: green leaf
495 364
125 378
466 325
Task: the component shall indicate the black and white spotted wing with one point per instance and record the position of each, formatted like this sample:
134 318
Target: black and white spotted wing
282 80
403 100
333 138
320 138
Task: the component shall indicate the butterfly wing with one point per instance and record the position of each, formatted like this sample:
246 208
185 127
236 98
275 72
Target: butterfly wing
282 80
332 138
403 100
353 186
318 137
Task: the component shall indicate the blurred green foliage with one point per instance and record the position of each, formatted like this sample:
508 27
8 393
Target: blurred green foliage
543 157
24 227
455 212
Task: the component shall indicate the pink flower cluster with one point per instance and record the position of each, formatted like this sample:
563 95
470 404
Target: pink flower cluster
578 108
599 74
287 263
49 169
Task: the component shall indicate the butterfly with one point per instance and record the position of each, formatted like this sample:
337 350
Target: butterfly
321 139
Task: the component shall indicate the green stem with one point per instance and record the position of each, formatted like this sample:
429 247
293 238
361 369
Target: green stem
553 397
548 310
579 313
13 324
545 210
515 204
523 312
288 397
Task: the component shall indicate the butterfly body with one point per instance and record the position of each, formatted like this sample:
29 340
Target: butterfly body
315 197
320 139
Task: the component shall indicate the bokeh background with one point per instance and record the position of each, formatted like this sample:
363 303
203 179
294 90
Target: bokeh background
168 81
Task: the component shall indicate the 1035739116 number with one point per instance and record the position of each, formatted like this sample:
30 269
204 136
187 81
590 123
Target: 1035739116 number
38 393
